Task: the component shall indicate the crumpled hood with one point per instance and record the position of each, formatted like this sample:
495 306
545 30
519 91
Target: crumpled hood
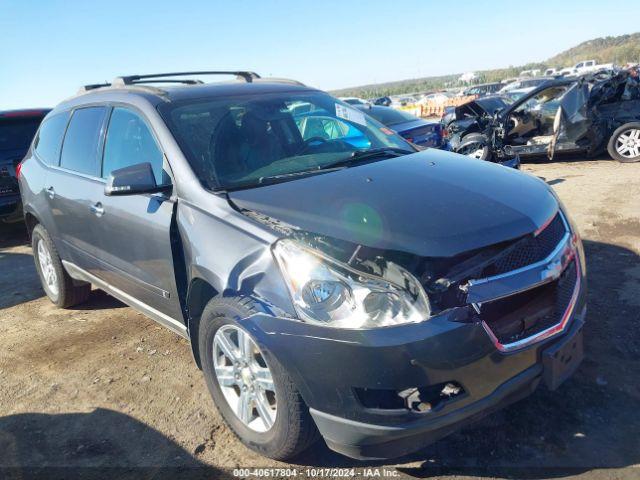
431 204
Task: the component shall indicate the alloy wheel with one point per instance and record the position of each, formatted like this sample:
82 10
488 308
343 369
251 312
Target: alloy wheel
628 143
244 378
46 268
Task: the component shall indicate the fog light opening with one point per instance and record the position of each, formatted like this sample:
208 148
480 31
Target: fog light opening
426 399
416 399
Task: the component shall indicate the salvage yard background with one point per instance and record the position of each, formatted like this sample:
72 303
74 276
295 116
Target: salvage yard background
101 385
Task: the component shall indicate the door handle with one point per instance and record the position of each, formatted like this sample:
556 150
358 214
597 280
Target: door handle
97 209
51 192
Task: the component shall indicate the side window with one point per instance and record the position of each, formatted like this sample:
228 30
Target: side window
129 141
49 139
82 141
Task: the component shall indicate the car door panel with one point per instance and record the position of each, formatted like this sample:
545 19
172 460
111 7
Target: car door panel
70 197
135 230
135 246
73 186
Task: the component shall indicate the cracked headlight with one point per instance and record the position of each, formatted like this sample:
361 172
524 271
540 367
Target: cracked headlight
328 292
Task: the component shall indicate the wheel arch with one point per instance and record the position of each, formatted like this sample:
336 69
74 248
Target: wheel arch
30 221
199 293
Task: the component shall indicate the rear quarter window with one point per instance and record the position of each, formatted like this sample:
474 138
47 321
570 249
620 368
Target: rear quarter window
80 150
49 140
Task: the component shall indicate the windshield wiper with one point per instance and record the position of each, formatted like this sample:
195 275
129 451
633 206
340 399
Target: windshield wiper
301 173
361 155
355 157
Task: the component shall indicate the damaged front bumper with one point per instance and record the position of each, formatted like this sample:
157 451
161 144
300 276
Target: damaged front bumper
386 392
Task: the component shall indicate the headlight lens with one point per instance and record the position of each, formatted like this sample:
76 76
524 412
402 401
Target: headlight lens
328 292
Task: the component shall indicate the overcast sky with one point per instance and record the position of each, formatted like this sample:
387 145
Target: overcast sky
51 47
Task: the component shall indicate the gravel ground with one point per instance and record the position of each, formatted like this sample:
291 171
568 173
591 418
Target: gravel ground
102 386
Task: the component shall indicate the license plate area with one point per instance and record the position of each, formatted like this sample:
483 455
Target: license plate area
562 359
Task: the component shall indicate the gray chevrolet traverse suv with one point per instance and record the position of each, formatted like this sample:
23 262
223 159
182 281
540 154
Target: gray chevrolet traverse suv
332 280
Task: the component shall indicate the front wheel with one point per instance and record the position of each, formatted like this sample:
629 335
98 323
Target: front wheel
474 146
252 391
624 144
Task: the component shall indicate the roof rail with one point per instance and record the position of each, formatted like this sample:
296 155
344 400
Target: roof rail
280 80
93 86
158 77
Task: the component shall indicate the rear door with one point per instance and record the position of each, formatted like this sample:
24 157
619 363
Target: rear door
74 186
134 231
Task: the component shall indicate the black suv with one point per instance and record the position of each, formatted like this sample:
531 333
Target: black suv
330 278
17 128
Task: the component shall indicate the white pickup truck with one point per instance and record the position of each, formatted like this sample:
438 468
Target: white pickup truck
585 66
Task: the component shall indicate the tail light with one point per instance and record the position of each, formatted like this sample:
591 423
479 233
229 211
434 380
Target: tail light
18 169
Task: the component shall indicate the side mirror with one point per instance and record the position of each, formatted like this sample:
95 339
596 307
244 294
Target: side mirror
131 180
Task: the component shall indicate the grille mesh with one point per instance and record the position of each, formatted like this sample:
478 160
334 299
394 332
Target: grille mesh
531 251
509 319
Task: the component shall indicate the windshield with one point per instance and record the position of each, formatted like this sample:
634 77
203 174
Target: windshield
390 116
515 95
238 142
17 133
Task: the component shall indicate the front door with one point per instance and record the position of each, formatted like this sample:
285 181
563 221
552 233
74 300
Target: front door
135 230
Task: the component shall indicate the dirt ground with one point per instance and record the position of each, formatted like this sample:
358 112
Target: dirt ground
102 386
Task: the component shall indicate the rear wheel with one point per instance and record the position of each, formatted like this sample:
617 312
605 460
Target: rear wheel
252 391
56 282
624 144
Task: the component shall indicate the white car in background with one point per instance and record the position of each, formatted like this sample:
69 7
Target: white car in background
521 84
439 97
403 101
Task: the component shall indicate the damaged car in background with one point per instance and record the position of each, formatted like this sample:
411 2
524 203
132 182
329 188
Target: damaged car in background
333 281
586 114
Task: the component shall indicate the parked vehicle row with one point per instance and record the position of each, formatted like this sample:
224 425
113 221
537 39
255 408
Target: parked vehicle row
416 130
333 281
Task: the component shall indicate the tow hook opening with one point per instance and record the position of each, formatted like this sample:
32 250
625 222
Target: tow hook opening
416 399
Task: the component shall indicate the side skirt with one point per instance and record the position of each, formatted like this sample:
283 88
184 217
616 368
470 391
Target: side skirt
166 321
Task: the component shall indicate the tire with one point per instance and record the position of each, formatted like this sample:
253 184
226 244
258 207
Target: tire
624 144
474 146
56 282
293 429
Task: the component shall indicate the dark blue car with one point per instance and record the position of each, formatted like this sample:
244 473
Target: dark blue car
17 128
417 130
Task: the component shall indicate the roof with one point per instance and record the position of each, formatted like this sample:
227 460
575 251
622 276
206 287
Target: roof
172 86
175 93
